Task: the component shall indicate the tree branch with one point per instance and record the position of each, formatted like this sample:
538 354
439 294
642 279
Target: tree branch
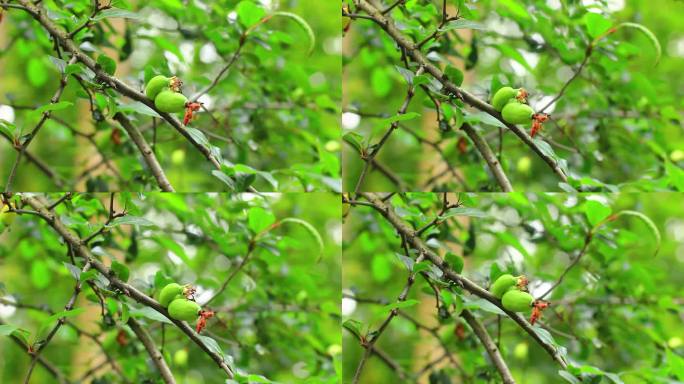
68 44
489 157
54 371
414 52
83 251
417 243
489 345
146 151
156 357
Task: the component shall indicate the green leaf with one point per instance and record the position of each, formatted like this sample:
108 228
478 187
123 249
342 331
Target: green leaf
569 377
249 13
517 10
11 330
107 63
53 107
131 220
596 24
259 219
463 211
462 24
225 179
138 107
455 261
596 211
454 74
53 318
354 327
401 304
513 53
150 314
355 140
116 13
120 270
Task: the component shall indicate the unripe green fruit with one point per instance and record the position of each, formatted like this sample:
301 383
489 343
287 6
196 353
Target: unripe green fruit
517 113
502 96
502 284
156 85
169 293
517 301
6 219
184 309
180 358
170 102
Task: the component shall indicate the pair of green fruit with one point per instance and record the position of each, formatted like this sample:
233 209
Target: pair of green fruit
174 296
164 91
507 100
507 289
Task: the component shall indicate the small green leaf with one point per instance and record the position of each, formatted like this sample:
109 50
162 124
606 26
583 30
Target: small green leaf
131 220
455 261
107 63
401 304
249 13
120 270
596 211
259 219
116 13
596 24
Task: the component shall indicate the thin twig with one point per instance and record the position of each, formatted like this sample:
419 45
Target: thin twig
489 345
155 355
412 51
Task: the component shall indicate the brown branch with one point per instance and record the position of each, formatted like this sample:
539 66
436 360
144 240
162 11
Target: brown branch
54 371
370 157
146 151
45 116
152 350
81 250
56 178
62 38
68 307
408 233
583 251
369 344
489 345
489 157
413 52
250 250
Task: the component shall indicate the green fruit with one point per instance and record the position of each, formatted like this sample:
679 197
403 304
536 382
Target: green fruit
6 219
184 309
502 96
180 358
170 102
517 113
169 293
502 284
156 85
517 301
